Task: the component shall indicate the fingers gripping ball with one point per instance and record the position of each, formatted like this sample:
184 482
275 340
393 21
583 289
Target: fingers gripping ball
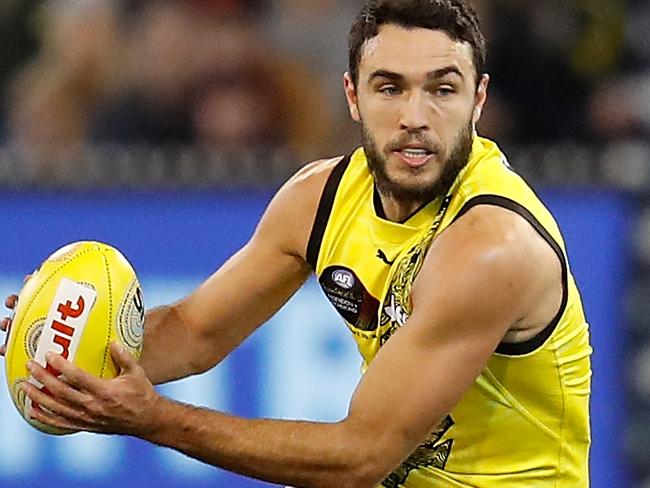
82 297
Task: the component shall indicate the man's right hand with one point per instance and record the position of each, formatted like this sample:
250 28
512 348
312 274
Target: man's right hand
5 323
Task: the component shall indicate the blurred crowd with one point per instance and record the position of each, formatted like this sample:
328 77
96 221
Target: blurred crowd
234 75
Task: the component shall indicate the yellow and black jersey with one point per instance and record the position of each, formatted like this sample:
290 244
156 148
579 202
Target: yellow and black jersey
525 420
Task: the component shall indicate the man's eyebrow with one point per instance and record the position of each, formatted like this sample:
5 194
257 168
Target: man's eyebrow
382 73
432 75
439 73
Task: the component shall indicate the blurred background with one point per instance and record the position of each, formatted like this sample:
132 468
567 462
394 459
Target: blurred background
163 127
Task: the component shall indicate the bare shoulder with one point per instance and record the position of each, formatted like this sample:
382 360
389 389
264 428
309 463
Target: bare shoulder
312 176
500 264
506 239
290 215
303 190
492 231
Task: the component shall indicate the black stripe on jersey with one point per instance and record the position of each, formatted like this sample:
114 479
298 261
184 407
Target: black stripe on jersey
376 200
324 211
520 348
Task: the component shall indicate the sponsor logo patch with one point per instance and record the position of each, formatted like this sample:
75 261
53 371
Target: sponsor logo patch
346 292
64 325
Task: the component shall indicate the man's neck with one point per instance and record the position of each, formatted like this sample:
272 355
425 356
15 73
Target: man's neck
399 210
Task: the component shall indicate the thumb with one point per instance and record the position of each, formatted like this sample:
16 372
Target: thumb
122 358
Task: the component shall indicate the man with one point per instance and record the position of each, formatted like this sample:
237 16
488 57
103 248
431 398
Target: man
449 272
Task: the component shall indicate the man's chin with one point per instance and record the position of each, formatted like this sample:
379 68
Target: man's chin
415 179
409 190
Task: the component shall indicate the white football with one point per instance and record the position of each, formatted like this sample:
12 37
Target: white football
83 297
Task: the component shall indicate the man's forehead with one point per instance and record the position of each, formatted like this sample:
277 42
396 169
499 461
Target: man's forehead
398 49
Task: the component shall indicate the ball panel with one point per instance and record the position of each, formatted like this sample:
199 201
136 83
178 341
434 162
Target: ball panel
64 326
128 322
66 252
35 298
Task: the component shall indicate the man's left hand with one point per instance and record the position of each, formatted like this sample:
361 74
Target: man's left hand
79 401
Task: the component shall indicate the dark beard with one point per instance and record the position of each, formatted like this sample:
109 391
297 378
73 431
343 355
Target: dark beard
457 160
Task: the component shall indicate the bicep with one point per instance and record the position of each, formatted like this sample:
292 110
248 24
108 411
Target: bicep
245 291
254 283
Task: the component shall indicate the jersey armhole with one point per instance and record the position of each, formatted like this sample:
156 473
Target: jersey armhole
324 211
526 347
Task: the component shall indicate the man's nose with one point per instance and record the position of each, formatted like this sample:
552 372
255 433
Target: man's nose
414 113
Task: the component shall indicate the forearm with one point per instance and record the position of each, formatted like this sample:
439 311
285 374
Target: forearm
300 454
172 350
161 358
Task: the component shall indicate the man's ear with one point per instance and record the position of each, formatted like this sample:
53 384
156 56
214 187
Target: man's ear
481 97
351 97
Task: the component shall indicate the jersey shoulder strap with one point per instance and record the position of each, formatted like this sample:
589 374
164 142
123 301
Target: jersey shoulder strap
324 210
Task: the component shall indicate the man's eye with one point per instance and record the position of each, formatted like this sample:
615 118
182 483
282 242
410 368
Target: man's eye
390 90
445 91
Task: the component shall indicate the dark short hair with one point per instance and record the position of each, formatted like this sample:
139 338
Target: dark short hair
457 18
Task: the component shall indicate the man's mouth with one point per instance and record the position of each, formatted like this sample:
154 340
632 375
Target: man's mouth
414 157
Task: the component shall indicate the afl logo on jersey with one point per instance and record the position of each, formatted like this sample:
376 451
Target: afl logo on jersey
343 278
346 292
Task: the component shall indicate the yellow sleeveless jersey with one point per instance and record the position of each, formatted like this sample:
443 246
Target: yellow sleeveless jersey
525 420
